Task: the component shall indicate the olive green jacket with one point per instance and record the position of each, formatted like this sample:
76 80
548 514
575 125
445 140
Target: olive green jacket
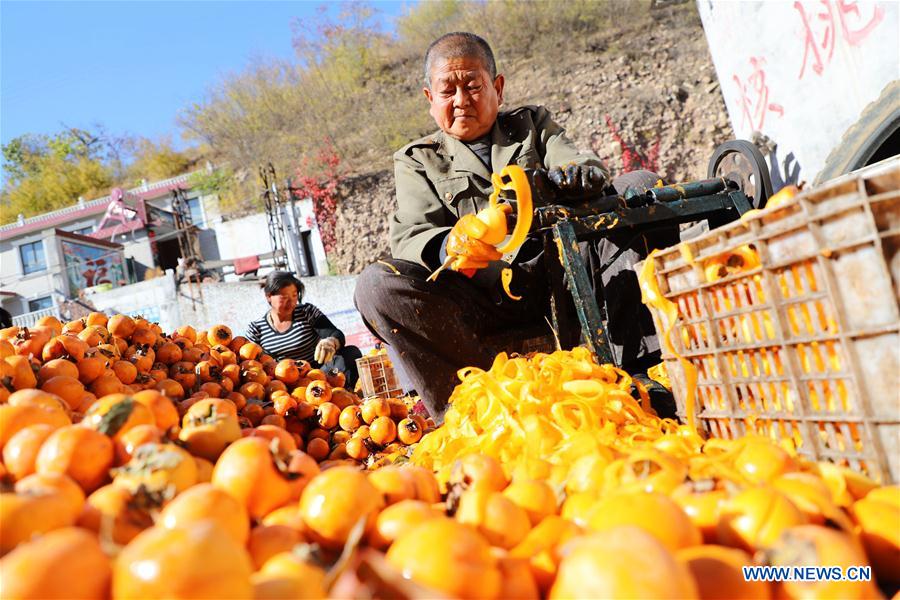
439 179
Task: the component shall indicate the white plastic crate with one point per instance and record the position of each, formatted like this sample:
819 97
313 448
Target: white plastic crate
805 346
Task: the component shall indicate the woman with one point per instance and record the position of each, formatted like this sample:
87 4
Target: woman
297 330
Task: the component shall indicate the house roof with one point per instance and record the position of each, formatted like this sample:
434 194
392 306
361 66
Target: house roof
87 239
80 210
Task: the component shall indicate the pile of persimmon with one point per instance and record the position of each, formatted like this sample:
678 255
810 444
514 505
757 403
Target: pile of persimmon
137 464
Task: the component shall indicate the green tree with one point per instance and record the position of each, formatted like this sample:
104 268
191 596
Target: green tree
45 173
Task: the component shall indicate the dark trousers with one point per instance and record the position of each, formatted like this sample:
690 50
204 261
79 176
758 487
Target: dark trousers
345 362
440 327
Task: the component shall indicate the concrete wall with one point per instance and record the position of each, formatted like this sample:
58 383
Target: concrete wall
48 282
232 303
801 72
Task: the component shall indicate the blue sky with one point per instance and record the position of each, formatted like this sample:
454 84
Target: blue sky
131 65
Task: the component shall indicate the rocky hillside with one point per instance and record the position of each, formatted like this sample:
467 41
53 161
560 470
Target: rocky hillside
647 86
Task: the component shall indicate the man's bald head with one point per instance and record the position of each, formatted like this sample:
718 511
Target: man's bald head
459 44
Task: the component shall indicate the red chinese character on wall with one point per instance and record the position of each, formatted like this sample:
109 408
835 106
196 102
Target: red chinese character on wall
818 50
754 96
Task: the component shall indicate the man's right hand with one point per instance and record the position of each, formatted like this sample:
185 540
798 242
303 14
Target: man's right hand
463 242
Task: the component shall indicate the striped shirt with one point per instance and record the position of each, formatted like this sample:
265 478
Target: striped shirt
308 326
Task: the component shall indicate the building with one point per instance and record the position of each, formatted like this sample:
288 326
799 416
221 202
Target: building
49 259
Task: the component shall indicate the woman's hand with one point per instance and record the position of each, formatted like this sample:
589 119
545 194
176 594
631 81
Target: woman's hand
326 349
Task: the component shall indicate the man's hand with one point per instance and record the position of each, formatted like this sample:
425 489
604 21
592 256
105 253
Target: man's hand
326 349
464 241
577 178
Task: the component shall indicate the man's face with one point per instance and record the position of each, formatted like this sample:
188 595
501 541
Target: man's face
464 100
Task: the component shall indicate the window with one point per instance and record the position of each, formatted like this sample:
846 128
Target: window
32 257
40 303
196 209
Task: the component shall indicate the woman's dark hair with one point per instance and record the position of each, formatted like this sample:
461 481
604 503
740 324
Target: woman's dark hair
278 280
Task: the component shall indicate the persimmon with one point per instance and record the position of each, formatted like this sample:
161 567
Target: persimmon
90 368
219 334
478 470
806 545
702 503
212 388
157 467
205 501
760 460
164 412
253 391
81 453
291 575
318 392
397 519
338 451
14 418
68 388
622 562
186 331
276 386
670 525
394 483
350 418
373 408
24 372
285 405
266 541
343 398
335 378
409 431
143 336
255 473
334 501
30 341
275 420
115 414
119 512
301 469
448 557
516 578
340 436
65 346
536 498
878 525
209 426
317 448
204 470
717 570
316 375
6 349
382 430
249 351
328 415
134 437
356 448
198 560
25 515
756 517
539 548
502 522
237 399
54 483
169 353
286 371
107 383
20 452
65 563
51 322
74 326
810 494
272 433
193 354
32 397
56 367
121 326
171 389
425 483
254 413
142 357
287 515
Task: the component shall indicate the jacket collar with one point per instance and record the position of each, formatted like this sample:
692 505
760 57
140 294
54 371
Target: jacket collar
463 158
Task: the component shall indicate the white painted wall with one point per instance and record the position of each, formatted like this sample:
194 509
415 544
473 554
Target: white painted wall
802 95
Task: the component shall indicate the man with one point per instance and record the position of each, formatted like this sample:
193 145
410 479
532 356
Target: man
438 327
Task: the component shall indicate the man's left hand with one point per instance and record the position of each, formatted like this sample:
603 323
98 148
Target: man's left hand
577 178
326 349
